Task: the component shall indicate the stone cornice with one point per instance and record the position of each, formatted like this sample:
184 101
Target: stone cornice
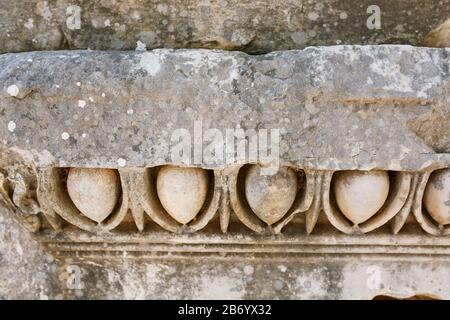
87 146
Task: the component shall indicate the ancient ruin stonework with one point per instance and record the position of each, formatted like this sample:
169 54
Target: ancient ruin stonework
126 166
254 26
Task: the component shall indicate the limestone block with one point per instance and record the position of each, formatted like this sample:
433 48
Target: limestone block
120 109
88 110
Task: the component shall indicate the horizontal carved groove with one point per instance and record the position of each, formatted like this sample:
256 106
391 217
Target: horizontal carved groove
343 245
263 257
242 249
161 239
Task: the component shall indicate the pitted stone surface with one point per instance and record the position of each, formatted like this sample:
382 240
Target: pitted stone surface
330 114
26 271
346 107
254 26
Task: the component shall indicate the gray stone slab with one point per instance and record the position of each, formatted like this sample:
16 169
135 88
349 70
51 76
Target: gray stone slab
342 107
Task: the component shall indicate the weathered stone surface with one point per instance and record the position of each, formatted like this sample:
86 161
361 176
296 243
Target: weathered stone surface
29 273
115 109
437 196
336 108
261 279
368 266
439 37
360 194
26 271
270 196
182 191
94 192
252 26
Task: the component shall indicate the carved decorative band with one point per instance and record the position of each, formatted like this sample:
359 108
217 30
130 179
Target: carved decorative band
185 200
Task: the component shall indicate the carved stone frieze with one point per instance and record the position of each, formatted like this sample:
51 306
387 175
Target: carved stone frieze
315 194
88 153
18 184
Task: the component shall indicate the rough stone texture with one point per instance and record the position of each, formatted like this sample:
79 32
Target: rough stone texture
337 108
29 273
115 109
252 26
26 271
262 279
